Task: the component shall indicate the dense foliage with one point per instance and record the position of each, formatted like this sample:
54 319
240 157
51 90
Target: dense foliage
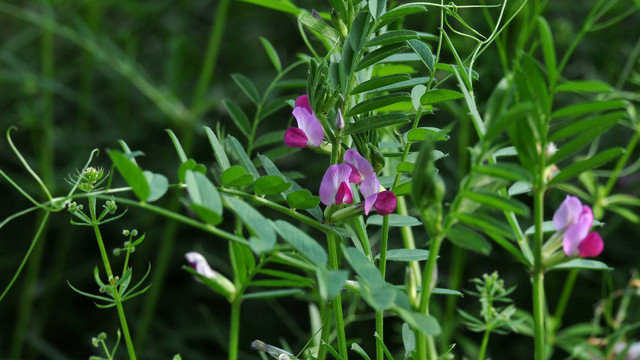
338 178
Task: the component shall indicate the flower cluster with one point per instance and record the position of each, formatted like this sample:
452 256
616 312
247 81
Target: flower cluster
309 131
574 221
335 186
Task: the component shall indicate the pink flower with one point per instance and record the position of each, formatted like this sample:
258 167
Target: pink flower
309 131
362 173
386 202
334 188
198 263
575 221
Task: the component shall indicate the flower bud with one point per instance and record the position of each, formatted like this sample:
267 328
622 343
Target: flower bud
339 121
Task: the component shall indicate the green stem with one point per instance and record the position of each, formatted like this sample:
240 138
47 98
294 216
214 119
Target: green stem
111 280
426 345
383 268
213 49
337 301
234 331
564 298
326 332
538 276
483 346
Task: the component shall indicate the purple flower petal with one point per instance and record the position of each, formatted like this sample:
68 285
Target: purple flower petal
369 188
576 233
332 181
198 263
303 102
339 124
344 194
308 123
386 203
591 246
295 138
361 164
567 214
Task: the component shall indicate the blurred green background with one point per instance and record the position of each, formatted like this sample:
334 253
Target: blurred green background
79 75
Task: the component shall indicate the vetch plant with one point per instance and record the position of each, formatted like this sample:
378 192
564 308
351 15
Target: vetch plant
359 247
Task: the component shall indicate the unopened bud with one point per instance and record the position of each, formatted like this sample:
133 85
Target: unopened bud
339 121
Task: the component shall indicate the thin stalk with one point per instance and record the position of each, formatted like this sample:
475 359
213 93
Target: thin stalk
483 346
538 276
234 331
383 268
337 301
326 332
564 298
213 49
111 279
24 310
621 163
426 345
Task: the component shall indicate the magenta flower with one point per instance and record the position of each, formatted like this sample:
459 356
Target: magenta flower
362 173
386 202
575 221
309 131
334 188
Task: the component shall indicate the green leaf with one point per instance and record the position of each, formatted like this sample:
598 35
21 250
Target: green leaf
590 107
271 52
238 116
424 133
498 202
302 242
426 324
218 149
158 185
438 96
575 145
205 200
264 236
406 255
416 94
405 84
131 173
451 69
600 122
270 138
584 86
278 5
376 122
548 50
270 294
319 26
378 102
485 223
377 7
368 273
392 37
424 52
401 11
380 54
585 264
505 171
271 169
354 346
330 282
468 239
243 157
270 184
302 199
380 82
359 32
394 220
405 167
236 176
579 167
247 87
176 143
271 107
408 339
503 120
